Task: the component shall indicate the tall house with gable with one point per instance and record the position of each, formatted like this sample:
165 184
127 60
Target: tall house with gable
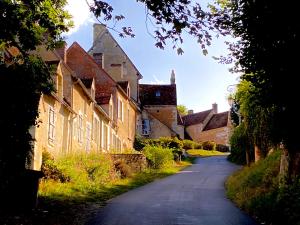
109 55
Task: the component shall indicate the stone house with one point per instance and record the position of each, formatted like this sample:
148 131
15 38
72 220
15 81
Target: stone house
160 117
208 125
66 116
113 97
109 55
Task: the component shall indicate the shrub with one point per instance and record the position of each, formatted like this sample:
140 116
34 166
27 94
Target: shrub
188 144
209 145
158 156
197 145
92 168
222 148
239 142
122 169
50 169
139 143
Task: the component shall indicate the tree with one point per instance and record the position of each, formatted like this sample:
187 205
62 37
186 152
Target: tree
182 109
168 20
268 34
24 26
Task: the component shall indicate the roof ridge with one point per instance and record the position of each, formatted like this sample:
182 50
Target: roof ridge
75 43
196 113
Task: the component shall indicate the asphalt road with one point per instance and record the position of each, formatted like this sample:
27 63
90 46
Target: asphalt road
195 196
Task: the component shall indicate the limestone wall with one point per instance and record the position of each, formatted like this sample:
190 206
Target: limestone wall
219 135
137 162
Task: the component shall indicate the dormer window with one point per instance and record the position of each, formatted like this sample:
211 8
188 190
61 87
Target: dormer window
157 93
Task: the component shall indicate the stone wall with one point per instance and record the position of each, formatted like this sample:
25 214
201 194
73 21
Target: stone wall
137 162
219 135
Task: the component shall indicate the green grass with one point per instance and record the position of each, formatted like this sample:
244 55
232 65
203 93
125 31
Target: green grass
72 202
256 190
203 153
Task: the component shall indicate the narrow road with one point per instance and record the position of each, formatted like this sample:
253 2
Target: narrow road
195 196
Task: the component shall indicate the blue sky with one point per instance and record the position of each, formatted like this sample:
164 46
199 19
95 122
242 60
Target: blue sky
200 79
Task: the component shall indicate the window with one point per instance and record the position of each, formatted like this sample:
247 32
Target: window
157 93
120 110
75 127
80 129
96 131
104 136
98 57
88 137
145 127
51 127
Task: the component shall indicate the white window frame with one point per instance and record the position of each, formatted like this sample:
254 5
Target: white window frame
120 110
51 125
75 127
80 128
96 130
88 136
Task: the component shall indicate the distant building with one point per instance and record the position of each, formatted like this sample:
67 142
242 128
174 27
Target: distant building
160 117
208 125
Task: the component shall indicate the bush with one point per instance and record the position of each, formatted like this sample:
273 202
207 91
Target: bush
239 142
123 169
139 143
158 156
222 148
209 145
90 169
50 169
197 145
188 144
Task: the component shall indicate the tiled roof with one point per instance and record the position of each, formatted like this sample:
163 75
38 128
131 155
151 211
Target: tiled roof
195 118
217 121
86 68
157 94
103 100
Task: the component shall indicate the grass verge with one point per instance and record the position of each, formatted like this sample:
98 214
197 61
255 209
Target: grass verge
256 190
72 203
203 153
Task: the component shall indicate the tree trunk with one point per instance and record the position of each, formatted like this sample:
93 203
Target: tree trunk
257 153
289 167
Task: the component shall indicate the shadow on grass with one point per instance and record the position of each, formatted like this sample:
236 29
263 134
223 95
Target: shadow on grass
63 209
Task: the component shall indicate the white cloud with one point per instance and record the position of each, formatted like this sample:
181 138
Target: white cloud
80 13
157 81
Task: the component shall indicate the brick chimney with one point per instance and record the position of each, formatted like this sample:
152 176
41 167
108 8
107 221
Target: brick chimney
62 51
215 108
190 111
98 28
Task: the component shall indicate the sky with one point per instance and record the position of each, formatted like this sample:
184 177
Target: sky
201 80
